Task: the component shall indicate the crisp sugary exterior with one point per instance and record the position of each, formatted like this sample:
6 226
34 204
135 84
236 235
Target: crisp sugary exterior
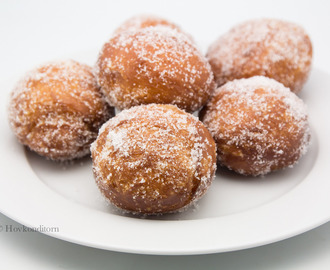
258 125
57 109
154 65
267 47
153 159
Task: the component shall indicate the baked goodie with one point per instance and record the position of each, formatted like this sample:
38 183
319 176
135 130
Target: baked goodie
258 125
153 159
143 21
154 65
57 109
277 49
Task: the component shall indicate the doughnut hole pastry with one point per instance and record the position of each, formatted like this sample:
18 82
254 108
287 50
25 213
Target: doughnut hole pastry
57 109
273 48
143 21
153 159
258 125
154 65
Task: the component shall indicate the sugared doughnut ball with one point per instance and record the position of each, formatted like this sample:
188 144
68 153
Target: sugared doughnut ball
57 109
143 21
154 65
153 159
258 125
268 47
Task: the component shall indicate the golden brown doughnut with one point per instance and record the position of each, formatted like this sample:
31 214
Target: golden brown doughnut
268 47
153 159
258 125
57 109
154 65
143 21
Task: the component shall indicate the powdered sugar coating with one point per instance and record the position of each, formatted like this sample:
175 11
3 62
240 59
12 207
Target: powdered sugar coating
57 109
258 124
153 159
154 65
268 47
143 21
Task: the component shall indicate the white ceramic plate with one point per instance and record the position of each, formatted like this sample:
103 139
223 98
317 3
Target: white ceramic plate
237 212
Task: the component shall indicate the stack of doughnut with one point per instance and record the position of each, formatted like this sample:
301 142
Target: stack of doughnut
154 156
257 121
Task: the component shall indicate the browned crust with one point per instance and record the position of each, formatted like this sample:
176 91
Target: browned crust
282 52
57 109
155 175
154 66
